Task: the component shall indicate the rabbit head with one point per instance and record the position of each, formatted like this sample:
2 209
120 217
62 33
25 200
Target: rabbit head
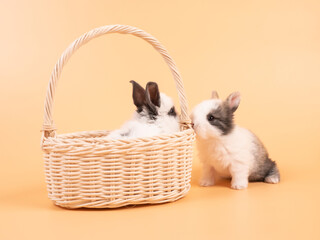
214 118
154 107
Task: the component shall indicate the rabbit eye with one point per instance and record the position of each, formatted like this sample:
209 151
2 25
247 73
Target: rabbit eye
210 117
172 112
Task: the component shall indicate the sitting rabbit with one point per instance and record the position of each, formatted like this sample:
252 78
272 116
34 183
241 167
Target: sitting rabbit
228 150
155 114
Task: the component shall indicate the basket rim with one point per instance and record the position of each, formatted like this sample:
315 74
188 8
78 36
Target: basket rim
99 137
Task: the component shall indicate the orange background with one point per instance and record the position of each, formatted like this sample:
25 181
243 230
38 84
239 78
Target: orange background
267 50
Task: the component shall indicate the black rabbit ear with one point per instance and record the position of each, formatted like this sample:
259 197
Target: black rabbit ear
153 94
138 95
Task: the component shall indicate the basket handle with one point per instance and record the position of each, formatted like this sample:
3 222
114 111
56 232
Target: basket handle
48 125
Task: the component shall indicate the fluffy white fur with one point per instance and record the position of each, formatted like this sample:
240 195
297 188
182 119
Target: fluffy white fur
230 155
141 126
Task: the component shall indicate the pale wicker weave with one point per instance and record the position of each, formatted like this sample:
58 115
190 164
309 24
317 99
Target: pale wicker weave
85 169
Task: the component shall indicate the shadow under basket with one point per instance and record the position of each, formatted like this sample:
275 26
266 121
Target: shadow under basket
85 169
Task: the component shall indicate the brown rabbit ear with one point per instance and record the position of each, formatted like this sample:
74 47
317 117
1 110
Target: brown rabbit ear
153 94
214 95
138 95
233 101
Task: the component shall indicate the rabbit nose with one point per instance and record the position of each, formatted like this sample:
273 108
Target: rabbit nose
192 125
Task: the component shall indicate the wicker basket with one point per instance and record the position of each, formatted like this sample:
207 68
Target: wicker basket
85 169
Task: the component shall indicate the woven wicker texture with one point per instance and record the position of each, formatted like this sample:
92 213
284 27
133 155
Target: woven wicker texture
85 169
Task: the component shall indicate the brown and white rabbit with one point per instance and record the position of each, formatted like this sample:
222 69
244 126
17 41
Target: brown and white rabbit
228 150
155 114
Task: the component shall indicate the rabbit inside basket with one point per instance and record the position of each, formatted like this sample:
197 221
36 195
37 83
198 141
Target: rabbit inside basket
155 114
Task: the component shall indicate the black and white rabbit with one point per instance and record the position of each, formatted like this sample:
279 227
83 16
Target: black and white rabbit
228 150
155 114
